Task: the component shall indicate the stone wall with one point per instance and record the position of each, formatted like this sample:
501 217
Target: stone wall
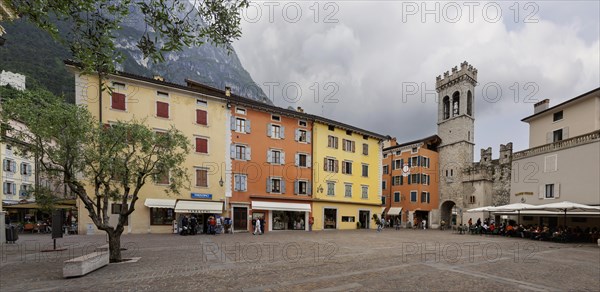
15 80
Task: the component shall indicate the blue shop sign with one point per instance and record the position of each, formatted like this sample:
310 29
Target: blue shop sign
201 196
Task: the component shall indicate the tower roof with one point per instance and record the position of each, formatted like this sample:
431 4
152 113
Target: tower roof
467 72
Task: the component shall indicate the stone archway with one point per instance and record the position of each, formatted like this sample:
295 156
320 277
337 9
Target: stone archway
446 213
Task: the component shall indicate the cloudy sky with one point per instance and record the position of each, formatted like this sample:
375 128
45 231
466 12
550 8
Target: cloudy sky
372 64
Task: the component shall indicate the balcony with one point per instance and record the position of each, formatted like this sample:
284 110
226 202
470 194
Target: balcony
560 145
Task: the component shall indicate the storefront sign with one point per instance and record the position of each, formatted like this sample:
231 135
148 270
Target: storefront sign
524 194
201 196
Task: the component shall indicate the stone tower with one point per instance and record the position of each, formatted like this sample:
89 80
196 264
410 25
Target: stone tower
456 119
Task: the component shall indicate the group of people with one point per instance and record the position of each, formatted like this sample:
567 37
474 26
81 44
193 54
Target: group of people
189 225
535 232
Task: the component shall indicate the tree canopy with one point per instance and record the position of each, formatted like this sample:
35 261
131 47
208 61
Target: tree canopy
101 164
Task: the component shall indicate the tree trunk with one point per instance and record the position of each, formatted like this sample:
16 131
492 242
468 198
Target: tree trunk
114 246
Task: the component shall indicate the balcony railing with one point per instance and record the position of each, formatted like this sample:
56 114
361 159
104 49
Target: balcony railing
559 145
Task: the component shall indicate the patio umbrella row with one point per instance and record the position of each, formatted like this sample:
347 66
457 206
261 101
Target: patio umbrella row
559 206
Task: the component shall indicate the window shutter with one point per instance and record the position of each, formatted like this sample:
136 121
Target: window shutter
353 144
336 142
418 160
118 101
393 181
282 132
268 184
401 163
428 180
248 152
296 160
201 117
542 191
14 188
232 121
409 162
308 188
565 133
232 151
282 186
244 183
394 165
282 157
336 165
269 156
247 127
4 188
296 187
308 137
343 144
236 182
428 198
297 135
409 179
4 163
557 191
549 137
269 130
344 170
162 109
324 163
308 161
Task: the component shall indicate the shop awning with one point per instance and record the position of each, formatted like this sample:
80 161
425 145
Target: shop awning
277 206
198 207
160 203
36 206
394 211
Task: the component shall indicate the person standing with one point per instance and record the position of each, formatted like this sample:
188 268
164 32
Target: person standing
397 223
257 227
424 224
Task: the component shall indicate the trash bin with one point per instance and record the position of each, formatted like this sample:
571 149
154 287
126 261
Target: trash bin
11 234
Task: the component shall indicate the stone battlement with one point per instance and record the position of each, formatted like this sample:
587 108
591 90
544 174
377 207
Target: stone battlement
467 72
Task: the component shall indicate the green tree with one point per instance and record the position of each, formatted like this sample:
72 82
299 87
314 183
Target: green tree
170 25
100 164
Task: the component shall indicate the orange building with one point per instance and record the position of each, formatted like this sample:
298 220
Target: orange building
410 180
271 164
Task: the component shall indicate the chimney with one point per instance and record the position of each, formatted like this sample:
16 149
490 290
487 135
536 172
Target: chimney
159 78
540 106
300 110
227 91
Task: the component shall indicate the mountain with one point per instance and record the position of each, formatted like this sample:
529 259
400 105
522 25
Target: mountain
30 51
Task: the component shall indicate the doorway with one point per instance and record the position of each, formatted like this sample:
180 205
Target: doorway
363 217
240 218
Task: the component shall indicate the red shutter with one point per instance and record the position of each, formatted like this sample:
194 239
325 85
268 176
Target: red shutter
201 178
201 117
118 101
201 145
162 109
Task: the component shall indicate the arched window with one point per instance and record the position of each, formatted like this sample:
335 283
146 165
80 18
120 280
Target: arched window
455 103
446 102
469 103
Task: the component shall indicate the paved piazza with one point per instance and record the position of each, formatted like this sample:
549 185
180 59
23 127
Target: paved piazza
323 261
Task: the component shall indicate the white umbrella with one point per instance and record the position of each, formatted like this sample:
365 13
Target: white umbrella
512 207
564 207
480 209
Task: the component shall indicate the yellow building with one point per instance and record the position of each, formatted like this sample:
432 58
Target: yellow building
202 117
347 176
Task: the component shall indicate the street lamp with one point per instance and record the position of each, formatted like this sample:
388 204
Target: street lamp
320 189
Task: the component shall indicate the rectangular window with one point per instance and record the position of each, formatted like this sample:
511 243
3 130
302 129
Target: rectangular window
201 177
413 196
276 132
162 109
162 216
331 165
348 145
347 167
386 169
348 218
201 145
240 125
397 197
330 188
383 184
200 102
302 188
365 170
302 136
557 135
24 191
331 128
201 117
383 200
26 169
239 110
557 116
240 152
9 165
414 161
365 192
163 178
348 190
365 149
275 118
332 142
275 156
115 208
275 185
549 191
9 188
423 197
302 123
472 200
302 160
240 182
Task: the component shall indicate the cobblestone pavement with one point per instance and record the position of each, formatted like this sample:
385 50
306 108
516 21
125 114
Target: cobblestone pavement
323 261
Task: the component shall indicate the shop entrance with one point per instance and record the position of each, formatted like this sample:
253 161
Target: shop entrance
288 220
240 218
329 218
363 218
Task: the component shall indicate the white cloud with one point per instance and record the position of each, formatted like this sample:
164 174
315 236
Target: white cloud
370 53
